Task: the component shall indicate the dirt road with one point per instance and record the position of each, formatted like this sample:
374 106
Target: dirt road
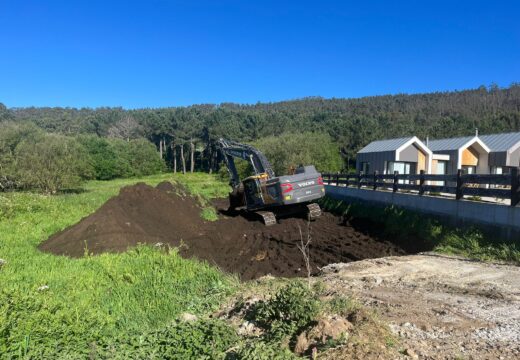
439 307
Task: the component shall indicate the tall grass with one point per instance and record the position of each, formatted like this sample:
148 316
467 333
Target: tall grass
419 232
54 304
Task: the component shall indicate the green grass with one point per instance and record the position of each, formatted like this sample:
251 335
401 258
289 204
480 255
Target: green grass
96 297
414 230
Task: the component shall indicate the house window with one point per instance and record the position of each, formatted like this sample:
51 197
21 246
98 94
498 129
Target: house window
402 168
468 169
442 167
365 167
500 170
399 166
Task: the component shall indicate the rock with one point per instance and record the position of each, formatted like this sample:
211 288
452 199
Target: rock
409 352
331 328
302 343
247 328
187 317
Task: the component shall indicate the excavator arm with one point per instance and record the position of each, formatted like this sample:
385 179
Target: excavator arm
231 150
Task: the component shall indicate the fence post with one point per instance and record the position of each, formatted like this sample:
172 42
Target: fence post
396 181
360 174
458 193
421 183
515 187
337 179
375 180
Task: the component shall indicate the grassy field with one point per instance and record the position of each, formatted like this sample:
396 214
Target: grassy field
53 304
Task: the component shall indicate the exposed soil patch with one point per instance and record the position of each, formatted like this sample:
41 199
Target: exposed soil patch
168 215
439 307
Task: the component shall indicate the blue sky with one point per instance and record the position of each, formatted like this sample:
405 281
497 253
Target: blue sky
170 53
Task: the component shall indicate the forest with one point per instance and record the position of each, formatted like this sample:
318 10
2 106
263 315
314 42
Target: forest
110 137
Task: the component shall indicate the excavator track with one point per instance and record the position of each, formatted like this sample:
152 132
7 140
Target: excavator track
314 211
268 217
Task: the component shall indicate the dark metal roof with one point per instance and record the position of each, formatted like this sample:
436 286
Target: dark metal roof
448 144
501 142
385 145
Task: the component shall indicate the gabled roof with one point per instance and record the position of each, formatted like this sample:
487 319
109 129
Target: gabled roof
385 145
501 142
449 144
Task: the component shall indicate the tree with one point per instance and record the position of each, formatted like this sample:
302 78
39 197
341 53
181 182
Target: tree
127 128
53 163
287 151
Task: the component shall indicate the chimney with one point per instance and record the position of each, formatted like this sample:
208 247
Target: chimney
427 141
476 131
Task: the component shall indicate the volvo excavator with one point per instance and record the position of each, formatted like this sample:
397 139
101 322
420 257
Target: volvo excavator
265 194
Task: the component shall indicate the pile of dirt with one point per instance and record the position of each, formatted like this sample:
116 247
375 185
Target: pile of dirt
168 215
139 214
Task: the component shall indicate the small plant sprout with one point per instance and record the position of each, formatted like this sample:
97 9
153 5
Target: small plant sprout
304 247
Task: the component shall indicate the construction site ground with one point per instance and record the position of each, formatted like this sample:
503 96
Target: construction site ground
436 306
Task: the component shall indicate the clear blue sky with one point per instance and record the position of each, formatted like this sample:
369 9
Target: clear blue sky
169 53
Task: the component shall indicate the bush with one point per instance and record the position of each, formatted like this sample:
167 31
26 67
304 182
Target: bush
51 164
115 158
291 309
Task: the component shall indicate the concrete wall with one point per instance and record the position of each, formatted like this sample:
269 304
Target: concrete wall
505 219
514 158
409 154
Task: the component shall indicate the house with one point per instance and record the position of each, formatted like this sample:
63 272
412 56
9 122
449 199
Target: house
504 151
469 154
407 155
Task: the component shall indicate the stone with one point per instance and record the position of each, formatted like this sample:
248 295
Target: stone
187 317
302 343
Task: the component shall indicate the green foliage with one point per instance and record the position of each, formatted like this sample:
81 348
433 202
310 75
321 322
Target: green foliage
260 350
52 163
115 158
95 299
290 150
342 305
203 339
292 308
352 123
417 232
209 213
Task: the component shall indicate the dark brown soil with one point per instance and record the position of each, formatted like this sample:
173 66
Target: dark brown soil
166 214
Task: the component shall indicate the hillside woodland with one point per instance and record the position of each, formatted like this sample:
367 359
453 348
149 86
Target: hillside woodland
109 143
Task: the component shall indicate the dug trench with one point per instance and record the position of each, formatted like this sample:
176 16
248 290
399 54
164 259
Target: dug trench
168 216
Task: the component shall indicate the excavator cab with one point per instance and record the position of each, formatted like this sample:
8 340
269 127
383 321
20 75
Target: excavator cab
253 192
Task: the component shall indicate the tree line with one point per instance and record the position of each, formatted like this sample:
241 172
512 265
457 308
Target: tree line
184 136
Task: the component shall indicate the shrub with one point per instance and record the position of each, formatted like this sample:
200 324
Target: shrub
291 309
51 164
116 158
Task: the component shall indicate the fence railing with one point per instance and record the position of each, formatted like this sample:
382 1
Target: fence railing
504 186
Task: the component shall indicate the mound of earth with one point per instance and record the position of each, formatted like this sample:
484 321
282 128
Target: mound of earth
139 214
168 215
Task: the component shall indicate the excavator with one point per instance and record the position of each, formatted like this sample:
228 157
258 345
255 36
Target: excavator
266 195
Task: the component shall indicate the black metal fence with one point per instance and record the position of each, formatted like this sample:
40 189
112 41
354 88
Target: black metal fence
505 186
